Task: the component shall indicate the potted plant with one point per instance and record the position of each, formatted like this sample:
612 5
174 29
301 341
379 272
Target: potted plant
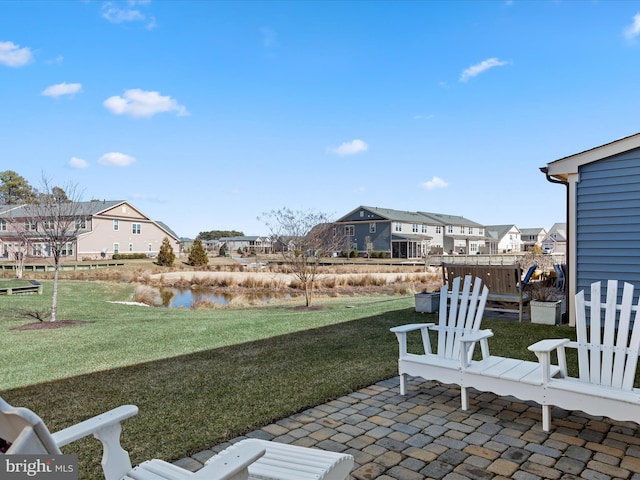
427 302
546 304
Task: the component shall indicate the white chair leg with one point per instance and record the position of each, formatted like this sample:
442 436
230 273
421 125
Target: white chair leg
403 384
464 398
546 418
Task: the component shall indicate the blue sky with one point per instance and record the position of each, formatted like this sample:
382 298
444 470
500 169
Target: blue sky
206 114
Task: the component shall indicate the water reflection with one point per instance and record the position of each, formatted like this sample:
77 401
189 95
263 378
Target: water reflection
187 298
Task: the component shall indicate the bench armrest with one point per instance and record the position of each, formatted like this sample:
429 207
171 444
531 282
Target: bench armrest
93 424
476 336
548 345
232 463
468 342
543 350
106 428
401 333
411 327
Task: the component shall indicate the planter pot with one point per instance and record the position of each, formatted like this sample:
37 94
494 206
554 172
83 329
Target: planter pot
427 302
547 313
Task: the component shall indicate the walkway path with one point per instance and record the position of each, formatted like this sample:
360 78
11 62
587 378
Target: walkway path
425 435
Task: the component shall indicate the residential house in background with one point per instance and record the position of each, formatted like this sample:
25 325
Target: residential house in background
603 225
254 244
531 237
503 238
107 227
555 241
404 234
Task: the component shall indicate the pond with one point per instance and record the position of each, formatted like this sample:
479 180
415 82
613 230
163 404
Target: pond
188 298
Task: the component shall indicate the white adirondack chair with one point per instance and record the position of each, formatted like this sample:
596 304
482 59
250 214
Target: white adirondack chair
26 434
460 314
607 352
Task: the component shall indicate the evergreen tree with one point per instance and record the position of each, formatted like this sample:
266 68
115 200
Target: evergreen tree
166 256
197 255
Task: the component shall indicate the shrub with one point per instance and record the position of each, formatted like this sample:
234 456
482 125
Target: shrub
129 256
198 255
166 256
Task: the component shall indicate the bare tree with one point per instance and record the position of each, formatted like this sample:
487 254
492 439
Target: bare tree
16 246
55 221
304 238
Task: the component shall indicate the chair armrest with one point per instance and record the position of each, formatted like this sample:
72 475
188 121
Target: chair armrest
92 425
106 428
401 333
232 463
468 342
476 336
411 327
548 345
543 350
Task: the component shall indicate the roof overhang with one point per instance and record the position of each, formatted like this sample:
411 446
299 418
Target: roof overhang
562 168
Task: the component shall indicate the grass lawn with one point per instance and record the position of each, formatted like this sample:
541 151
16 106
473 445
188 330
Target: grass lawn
200 377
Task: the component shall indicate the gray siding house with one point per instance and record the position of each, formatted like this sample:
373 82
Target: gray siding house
403 234
603 224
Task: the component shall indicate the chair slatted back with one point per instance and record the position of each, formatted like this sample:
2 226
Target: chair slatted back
608 349
25 431
461 309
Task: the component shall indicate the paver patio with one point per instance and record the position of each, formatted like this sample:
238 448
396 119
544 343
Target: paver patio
425 435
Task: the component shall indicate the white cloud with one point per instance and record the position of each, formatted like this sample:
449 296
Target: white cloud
115 14
12 55
116 159
481 67
62 89
350 148
633 30
76 162
140 103
435 182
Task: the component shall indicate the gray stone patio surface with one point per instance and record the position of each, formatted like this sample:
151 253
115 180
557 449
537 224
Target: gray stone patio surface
426 435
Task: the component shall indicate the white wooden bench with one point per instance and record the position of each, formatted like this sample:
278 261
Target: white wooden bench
460 314
25 433
608 345
461 311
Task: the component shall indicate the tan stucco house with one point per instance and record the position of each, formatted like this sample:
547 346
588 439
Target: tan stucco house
106 228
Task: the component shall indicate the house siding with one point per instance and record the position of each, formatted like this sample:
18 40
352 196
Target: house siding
608 220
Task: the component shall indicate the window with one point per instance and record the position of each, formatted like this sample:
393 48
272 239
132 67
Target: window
47 224
116 225
3 225
424 228
81 224
136 228
372 228
30 225
461 229
438 229
398 227
116 248
449 228
414 228
470 230
37 249
349 230
67 249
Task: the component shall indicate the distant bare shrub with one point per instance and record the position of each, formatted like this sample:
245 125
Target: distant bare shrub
147 295
403 288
